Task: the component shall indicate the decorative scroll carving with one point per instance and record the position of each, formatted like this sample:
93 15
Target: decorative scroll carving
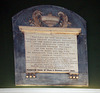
49 20
37 17
64 19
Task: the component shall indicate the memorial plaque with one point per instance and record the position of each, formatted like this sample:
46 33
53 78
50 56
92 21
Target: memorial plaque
50 47
50 52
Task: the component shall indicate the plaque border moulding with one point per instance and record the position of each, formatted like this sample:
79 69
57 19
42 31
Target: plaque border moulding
51 30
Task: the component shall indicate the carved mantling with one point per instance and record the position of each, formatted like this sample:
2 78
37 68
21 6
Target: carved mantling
38 20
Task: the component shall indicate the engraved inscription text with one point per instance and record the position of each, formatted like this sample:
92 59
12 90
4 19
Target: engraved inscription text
51 52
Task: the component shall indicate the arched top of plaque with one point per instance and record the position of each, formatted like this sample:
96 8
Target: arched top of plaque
48 16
